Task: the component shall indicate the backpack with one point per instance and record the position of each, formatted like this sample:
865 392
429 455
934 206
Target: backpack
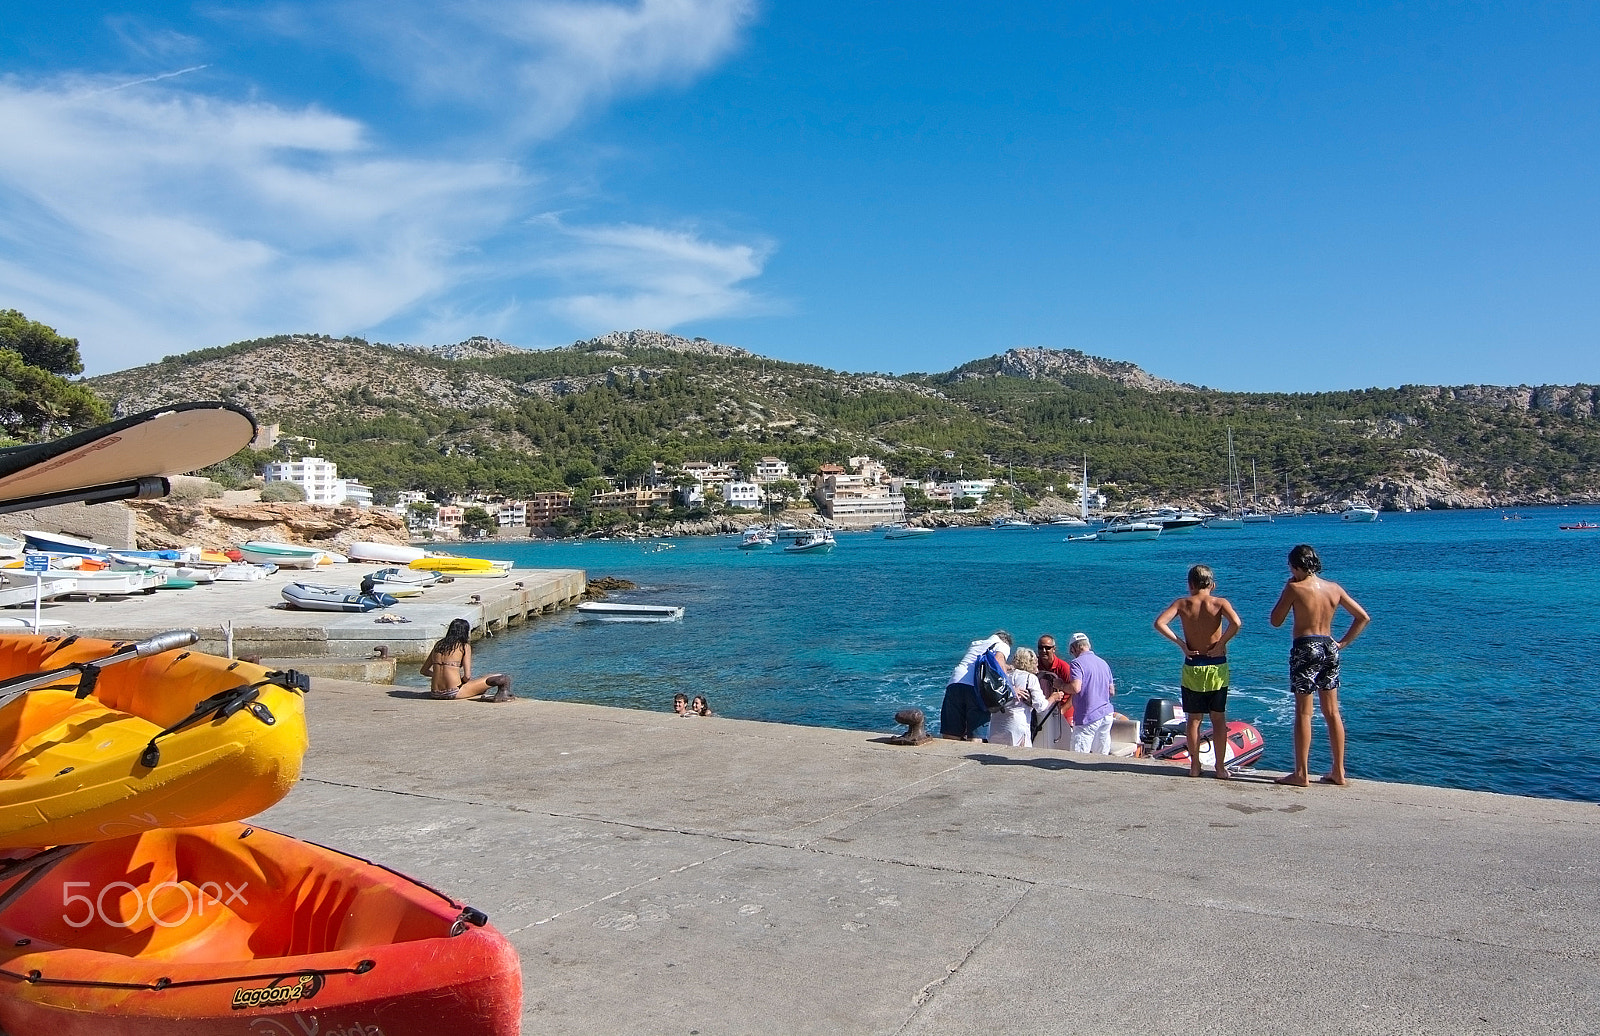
990 681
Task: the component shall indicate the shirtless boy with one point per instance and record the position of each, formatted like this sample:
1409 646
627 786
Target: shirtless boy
1208 623
1314 658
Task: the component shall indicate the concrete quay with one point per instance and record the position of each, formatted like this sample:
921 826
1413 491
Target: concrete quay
706 876
338 644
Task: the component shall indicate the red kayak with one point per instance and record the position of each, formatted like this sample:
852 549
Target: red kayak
227 929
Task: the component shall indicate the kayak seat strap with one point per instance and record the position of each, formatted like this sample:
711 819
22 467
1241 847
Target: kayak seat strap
224 704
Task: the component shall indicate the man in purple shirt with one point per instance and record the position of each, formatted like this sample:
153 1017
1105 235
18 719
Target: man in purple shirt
1091 688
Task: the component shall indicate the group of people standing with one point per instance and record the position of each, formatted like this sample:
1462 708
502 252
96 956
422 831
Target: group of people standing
1042 683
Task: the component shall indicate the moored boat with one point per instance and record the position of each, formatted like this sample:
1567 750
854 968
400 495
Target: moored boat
630 612
1584 526
902 531
226 929
160 737
1359 513
1010 522
756 538
284 555
1126 529
812 541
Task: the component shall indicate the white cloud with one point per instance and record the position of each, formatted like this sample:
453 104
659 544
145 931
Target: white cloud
150 215
656 278
540 63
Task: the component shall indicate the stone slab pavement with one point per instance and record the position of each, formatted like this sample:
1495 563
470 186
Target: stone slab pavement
704 876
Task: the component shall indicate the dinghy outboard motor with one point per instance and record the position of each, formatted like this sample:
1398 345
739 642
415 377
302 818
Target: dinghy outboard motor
1160 725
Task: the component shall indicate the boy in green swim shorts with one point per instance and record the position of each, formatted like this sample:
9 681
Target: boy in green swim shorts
1209 622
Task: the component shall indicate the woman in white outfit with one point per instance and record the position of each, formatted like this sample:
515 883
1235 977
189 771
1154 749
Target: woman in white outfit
1013 725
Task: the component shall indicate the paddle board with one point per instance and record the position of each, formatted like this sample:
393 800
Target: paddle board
124 459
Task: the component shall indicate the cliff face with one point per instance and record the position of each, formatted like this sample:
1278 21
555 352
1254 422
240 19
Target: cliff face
167 524
1038 364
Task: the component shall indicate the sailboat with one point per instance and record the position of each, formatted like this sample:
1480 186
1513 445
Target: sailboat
1229 518
1255 515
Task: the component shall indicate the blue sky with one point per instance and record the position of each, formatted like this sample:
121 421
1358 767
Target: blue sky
1248 196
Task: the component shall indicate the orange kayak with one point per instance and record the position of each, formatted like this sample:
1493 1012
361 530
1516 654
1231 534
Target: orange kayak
227 929
174 739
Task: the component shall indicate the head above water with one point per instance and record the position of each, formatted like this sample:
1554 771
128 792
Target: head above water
1201 578
1304 557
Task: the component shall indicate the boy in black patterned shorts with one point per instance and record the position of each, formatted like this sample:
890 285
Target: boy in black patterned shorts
1314 658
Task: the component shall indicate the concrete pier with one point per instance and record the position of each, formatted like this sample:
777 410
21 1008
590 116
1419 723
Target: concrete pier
340 644
682 875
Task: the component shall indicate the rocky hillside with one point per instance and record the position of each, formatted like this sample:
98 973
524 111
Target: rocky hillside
484 415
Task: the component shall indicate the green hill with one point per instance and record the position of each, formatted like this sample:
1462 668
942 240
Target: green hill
483 416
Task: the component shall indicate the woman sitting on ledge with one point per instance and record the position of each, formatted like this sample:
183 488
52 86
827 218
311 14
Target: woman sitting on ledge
449 664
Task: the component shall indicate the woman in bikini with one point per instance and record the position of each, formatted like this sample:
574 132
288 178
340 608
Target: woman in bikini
449 665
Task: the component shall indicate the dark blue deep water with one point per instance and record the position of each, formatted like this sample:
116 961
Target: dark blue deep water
1475 672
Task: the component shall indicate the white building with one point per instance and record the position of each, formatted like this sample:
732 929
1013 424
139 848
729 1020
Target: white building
771 469
745 495
856 500
319 479
977 489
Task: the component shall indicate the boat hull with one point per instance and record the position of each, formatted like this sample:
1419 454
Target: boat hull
310 597
392 553
71 769
61 543
630 612
224 929
281 554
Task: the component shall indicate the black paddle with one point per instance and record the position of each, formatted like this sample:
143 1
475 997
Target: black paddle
17 686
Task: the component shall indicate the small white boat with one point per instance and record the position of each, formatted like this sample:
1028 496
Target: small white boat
1118 531
405 576
61 543
284 555
10 546
814 541
392 553
312 597
26 591
1359 513
1223 521
1171 519
609 612
756 539
1255 518
94 585
243 572
1068 519
1010 522
902 531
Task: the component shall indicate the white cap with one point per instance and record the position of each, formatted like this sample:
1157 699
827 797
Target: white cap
1078 638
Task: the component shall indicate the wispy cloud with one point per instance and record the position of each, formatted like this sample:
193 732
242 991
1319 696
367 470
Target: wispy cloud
161 212
639 276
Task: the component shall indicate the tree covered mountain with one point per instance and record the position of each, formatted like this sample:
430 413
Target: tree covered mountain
485 416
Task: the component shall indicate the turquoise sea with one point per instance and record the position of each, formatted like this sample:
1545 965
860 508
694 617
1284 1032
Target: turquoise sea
1475 672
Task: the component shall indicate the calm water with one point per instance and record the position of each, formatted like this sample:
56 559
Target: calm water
1474 673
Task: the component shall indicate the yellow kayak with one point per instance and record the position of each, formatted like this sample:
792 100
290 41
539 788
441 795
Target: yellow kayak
455 565
170 739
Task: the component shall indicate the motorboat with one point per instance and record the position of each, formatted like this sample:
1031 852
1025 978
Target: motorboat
1124 528
607 611
284 555
1171 519
1068 519
1163 735
224 928
1010 522
1581 526
159 736
1255 518
1223 521
756 538
902 531
1359 513
810 541
311 597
